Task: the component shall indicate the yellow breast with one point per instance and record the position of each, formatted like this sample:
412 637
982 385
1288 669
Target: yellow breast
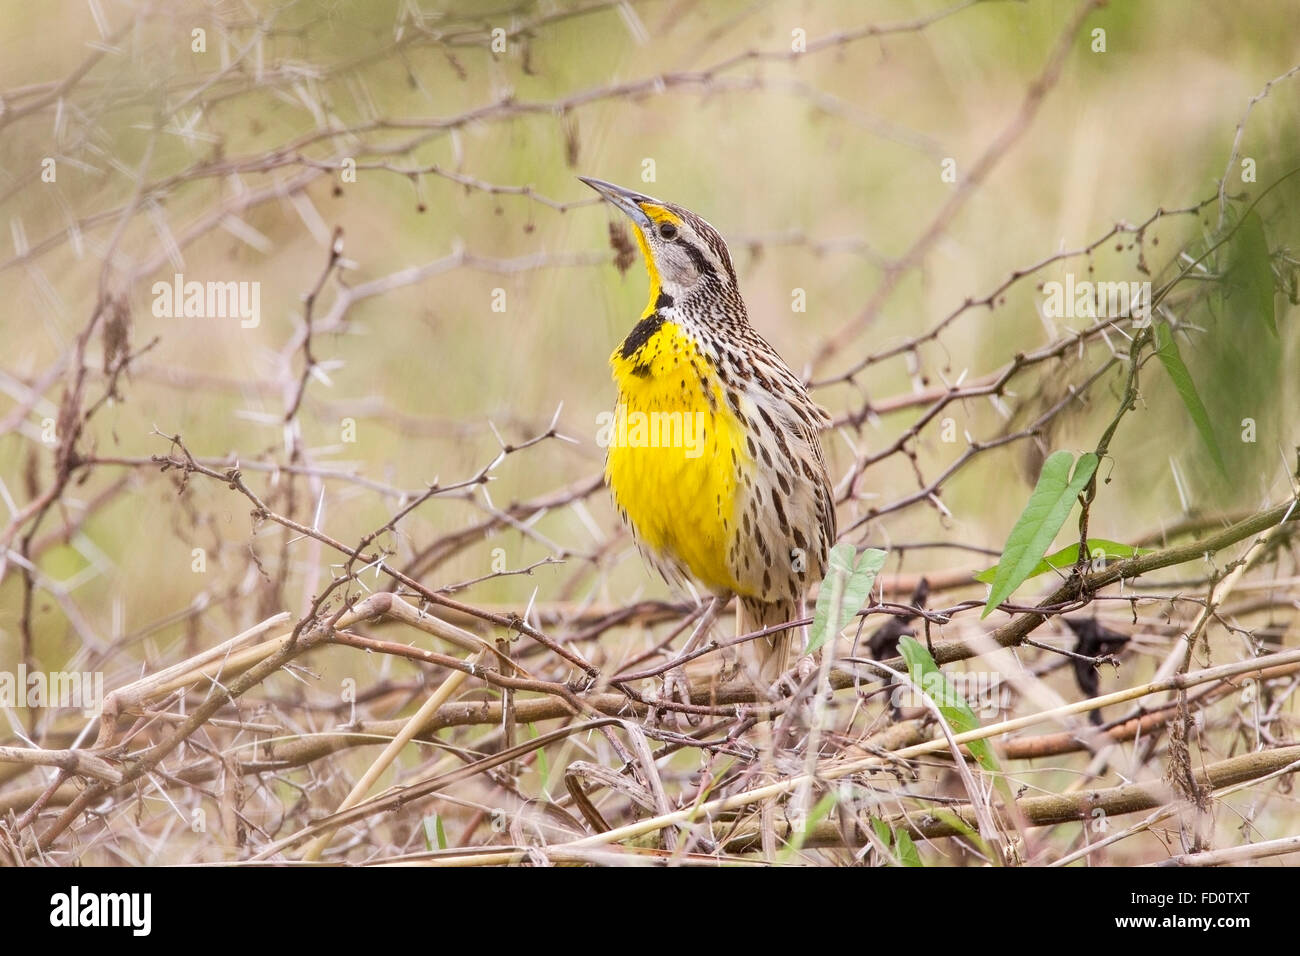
675 451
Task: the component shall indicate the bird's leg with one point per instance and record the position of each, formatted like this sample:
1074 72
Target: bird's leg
676 687
702 626
807 663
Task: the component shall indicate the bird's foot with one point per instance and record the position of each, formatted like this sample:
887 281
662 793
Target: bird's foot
678 689
806 667
790 682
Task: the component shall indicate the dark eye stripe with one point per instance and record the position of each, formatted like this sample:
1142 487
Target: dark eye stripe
701 263
709 235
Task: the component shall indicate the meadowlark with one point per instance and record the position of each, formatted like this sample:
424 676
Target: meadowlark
738 500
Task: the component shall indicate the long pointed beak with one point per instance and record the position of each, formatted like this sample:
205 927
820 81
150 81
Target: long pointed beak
624 199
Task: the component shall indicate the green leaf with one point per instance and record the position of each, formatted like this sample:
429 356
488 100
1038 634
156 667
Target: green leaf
926 675
907 852
815 816
1249 276
1069 556
1037 527
899 841
1167 351
844 590
944 815
434 833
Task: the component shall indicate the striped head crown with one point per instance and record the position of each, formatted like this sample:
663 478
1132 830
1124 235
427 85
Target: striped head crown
688 262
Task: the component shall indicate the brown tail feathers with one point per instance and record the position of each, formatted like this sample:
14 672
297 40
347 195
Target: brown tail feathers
767 658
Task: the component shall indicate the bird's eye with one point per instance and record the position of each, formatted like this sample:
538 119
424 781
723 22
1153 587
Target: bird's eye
667 231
